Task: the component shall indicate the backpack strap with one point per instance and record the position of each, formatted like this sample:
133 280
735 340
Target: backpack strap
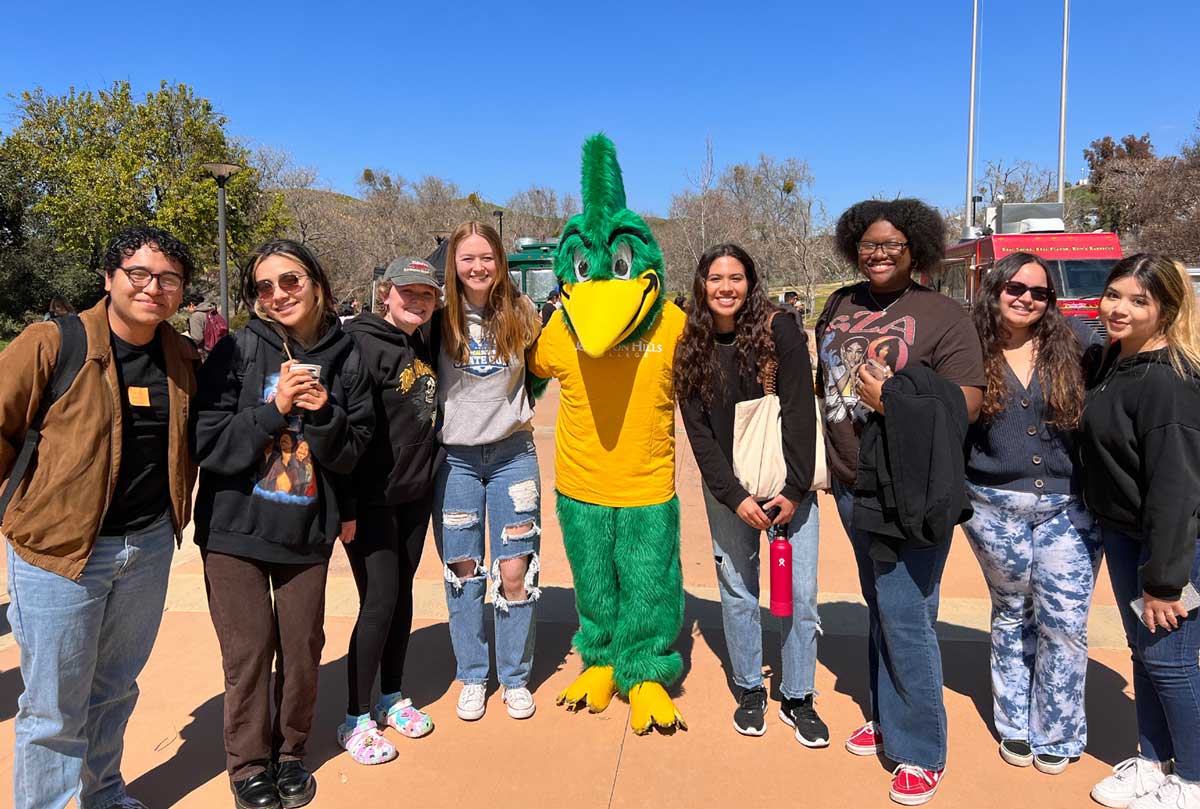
72 352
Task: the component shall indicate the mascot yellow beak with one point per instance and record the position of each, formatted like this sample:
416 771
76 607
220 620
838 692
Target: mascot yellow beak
605 312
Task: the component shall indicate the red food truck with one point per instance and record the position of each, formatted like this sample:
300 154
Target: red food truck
1079 264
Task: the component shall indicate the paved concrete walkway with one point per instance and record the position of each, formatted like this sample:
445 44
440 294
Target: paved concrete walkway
174 754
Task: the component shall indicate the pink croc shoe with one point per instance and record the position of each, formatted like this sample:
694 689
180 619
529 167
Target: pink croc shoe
406 719
365 743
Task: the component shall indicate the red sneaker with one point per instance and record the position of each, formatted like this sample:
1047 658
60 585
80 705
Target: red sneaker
913 786
866 741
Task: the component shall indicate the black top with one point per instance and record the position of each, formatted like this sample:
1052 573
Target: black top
272 487
1140 448
1016 449
400 461
710 431
142 494
548 310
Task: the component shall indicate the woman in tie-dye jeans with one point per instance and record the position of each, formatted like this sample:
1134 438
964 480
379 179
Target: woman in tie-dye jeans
1037 545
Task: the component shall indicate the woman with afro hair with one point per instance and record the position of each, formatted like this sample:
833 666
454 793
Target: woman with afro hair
906 325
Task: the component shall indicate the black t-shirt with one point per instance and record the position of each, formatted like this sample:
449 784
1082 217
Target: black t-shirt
915 327
142 494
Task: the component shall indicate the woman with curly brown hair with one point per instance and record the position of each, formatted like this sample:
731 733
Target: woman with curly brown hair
732 338
1037 544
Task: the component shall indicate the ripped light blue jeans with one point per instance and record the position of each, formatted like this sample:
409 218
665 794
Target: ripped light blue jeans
499 481
1039 555
736 549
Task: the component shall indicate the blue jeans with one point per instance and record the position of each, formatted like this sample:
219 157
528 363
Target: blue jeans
83 645
500 480
1039 554
736 550
1166 674
903 657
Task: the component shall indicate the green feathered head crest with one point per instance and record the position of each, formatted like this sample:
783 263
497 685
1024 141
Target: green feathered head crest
608 263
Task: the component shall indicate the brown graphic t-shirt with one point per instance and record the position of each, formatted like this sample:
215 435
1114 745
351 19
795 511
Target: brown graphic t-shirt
914 327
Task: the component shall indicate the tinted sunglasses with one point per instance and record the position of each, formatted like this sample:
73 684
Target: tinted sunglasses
289 282
1040 294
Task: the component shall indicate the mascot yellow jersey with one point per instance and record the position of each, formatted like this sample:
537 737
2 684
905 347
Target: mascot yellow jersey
616 414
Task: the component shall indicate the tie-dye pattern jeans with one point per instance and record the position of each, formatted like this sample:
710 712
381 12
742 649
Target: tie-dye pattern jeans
1039 555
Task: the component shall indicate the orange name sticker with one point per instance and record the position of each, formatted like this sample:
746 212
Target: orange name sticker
139 397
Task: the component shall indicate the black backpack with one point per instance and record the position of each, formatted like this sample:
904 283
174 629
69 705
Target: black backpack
72 352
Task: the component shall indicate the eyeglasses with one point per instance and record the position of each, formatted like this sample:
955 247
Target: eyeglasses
1016 289
140 278
289 282
890 248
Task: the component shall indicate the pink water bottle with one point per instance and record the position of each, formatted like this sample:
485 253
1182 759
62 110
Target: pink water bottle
781 568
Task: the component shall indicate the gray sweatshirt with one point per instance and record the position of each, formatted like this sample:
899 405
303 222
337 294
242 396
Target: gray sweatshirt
484 399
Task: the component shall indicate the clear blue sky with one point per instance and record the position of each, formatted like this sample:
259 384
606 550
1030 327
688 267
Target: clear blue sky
500 95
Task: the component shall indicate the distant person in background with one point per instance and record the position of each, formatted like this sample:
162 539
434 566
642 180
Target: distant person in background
549 307
681 301
58 308
1037 544
1140 450
206 326
791 299
346 311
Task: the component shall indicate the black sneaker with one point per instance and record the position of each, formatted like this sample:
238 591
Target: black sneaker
750 716
1016 752
295 784
1051 765
801 715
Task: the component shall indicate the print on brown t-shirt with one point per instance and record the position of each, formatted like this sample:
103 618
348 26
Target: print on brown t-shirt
917 327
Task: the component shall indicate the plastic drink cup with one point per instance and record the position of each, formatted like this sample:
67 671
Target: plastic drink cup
312 370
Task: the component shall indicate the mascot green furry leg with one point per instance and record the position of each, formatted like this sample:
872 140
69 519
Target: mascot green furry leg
629 613
612 348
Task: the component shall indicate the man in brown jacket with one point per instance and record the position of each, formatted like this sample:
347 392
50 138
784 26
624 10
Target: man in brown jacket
93 524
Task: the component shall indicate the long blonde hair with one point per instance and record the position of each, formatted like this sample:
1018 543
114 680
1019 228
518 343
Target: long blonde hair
509 323
1167 282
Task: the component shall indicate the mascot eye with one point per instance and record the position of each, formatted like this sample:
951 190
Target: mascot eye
622 261
581 265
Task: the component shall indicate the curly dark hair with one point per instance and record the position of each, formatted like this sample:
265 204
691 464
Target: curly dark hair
1056 349
921 224
132 239
697 373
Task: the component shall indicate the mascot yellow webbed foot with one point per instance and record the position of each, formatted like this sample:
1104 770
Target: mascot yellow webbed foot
594 688
651 707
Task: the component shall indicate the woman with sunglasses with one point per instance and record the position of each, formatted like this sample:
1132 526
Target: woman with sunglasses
1035 541
905 326
490 474
1140 445
282 415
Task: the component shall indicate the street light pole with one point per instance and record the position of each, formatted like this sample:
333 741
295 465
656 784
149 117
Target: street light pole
968 231
500 215
221 172
1062 105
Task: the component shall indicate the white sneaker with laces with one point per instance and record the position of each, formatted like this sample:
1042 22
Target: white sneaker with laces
1175 793
520 702
472 702
1131 779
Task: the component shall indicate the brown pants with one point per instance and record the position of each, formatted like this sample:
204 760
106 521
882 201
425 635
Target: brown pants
253 632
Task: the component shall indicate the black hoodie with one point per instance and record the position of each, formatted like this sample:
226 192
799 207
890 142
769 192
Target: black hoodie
270 484
399 463
1140 448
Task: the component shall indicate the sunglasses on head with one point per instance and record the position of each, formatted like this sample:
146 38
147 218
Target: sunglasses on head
1016 289
289 282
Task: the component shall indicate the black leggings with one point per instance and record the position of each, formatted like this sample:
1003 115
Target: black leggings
384 557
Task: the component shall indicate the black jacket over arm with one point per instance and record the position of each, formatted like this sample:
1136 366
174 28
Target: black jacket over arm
911 468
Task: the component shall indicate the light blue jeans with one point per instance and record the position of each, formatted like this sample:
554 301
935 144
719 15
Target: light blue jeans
736 547
1039 555
83 645
500 481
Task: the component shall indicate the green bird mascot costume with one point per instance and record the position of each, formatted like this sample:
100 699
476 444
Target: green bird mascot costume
612 348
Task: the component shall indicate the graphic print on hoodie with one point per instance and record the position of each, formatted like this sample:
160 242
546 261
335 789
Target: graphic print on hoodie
286 473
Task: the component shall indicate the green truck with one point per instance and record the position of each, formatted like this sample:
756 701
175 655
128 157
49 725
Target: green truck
531 268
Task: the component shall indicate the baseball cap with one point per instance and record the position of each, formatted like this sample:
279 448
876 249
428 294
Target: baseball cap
406 270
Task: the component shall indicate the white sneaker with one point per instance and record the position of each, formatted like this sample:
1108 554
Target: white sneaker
1131 779
519 702
472 701
1173 794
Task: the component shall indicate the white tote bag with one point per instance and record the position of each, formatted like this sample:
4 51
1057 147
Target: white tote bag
758 443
